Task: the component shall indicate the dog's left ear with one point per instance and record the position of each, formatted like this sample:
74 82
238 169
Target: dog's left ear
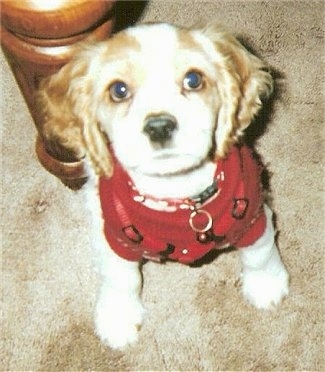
66 102
243 82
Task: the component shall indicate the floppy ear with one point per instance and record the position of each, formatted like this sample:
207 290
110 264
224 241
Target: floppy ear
65 100
243 82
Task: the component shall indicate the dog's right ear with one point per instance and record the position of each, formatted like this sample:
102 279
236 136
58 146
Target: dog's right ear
68 113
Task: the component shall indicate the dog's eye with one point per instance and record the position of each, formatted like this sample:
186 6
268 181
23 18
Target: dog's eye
119 91
192 81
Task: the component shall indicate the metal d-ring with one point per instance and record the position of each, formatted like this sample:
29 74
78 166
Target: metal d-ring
200 229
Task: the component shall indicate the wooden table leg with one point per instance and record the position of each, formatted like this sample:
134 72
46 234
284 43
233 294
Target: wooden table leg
38 38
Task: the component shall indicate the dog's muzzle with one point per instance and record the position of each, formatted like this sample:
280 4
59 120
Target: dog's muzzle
160 128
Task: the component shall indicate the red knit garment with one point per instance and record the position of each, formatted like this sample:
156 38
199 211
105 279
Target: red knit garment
135 231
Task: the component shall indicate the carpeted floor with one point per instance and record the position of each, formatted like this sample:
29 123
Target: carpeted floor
197 318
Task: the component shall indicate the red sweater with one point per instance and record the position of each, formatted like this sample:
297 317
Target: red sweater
233 210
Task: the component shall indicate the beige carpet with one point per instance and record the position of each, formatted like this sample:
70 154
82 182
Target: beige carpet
197 317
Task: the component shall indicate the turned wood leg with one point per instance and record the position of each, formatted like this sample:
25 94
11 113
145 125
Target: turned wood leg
38 38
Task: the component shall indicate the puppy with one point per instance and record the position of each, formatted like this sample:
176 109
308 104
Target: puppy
158 111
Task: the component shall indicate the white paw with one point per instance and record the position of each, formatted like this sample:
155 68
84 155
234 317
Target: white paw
263 289
118 320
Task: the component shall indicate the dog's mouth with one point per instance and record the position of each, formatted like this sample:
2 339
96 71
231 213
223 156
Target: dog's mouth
165 155
170 157
168 162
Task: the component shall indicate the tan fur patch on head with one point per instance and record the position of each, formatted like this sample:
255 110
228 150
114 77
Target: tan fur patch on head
118 46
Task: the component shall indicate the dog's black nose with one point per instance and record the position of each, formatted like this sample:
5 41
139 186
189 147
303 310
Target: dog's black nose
160 128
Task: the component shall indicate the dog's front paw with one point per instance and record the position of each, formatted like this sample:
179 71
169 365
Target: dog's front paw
263 289
118 320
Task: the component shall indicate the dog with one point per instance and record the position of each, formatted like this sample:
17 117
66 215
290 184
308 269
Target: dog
159 113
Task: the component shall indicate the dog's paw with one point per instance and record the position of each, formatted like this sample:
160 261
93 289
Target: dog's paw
118 321
263 289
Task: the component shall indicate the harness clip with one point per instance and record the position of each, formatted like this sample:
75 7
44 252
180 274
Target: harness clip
200 221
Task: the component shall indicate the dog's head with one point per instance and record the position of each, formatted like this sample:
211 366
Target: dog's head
165 98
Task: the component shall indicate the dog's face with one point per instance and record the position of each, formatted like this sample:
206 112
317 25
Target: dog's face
158 101
165 98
